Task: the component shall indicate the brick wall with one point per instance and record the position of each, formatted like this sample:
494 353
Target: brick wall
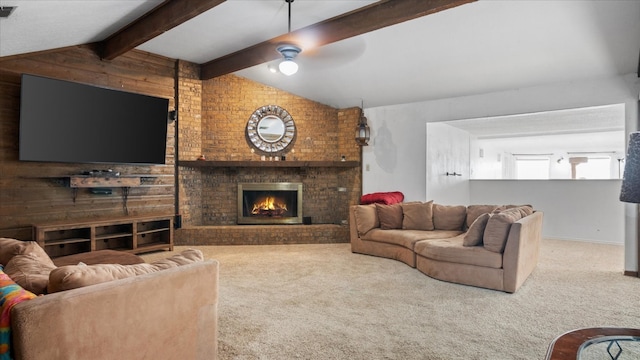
190 138
323 134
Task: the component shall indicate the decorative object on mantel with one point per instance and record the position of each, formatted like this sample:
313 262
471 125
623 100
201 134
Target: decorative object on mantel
270 130
269 164
630 191
201 158
363 132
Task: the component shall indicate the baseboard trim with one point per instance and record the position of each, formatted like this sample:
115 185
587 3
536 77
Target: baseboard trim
631 273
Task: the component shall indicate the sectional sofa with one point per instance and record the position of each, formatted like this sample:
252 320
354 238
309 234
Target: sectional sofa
488 246
161 310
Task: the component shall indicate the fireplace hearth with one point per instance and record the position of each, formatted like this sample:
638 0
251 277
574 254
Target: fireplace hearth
270 203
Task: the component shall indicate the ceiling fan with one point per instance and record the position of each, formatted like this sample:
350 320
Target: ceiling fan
372 17
368 18
288 51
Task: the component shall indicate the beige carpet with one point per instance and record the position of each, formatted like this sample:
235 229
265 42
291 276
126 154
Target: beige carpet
323 302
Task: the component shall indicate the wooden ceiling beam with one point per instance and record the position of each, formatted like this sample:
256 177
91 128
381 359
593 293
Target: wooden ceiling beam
357 22
165 16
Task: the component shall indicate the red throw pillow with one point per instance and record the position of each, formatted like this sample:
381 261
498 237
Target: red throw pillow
386 198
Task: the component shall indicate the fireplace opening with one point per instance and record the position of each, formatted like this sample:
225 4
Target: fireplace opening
270 203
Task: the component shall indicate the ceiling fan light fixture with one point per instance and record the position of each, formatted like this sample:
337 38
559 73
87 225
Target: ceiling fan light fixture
289 52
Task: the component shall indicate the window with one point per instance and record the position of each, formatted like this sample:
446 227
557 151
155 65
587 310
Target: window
532 167
594 168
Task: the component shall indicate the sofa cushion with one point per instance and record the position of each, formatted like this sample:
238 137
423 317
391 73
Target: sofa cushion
497 230
417 216
386 198
525 210
366 218
474 235
473 211
452 250
449 217
31 270
105 256
12 247
390 216
508 207
76 276
408 238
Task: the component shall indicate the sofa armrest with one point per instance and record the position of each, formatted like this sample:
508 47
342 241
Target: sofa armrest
169 314
520 255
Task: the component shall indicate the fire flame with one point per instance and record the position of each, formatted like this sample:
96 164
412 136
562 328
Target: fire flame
269 205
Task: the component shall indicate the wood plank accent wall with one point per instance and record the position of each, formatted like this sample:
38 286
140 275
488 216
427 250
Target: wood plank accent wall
27 196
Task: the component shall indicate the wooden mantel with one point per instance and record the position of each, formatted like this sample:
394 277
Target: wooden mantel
267 164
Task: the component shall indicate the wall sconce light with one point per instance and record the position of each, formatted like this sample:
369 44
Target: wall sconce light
630 191
363 132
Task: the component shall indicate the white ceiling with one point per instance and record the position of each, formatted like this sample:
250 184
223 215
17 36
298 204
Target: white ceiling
486 46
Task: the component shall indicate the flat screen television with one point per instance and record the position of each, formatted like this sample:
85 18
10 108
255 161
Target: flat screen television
62 121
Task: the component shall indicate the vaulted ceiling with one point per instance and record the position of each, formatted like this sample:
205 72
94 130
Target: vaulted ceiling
380 52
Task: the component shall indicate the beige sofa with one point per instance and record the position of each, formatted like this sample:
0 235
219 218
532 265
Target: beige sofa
489 246
163 310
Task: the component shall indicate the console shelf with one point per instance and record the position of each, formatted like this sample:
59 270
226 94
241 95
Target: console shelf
134 235
85 181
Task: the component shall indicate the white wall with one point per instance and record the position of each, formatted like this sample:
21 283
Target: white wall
573 210
447 153
396 157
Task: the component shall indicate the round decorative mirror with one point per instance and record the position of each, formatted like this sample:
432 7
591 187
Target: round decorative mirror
270 130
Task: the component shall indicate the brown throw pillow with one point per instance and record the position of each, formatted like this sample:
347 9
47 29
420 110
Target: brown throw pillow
497 230
475 234
366 218
449 217
390 216
31 270
417 216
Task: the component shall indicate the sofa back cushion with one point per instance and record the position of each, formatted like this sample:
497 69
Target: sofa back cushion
12 247
75 276
366 217
497 230
449 217
417 215
473 211
390 216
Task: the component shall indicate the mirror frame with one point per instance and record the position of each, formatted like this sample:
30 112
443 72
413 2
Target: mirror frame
266 146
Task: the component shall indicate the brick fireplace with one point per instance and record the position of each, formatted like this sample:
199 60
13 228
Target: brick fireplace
213 117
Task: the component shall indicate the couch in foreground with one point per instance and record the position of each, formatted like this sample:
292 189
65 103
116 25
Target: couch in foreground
489 246
163 310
